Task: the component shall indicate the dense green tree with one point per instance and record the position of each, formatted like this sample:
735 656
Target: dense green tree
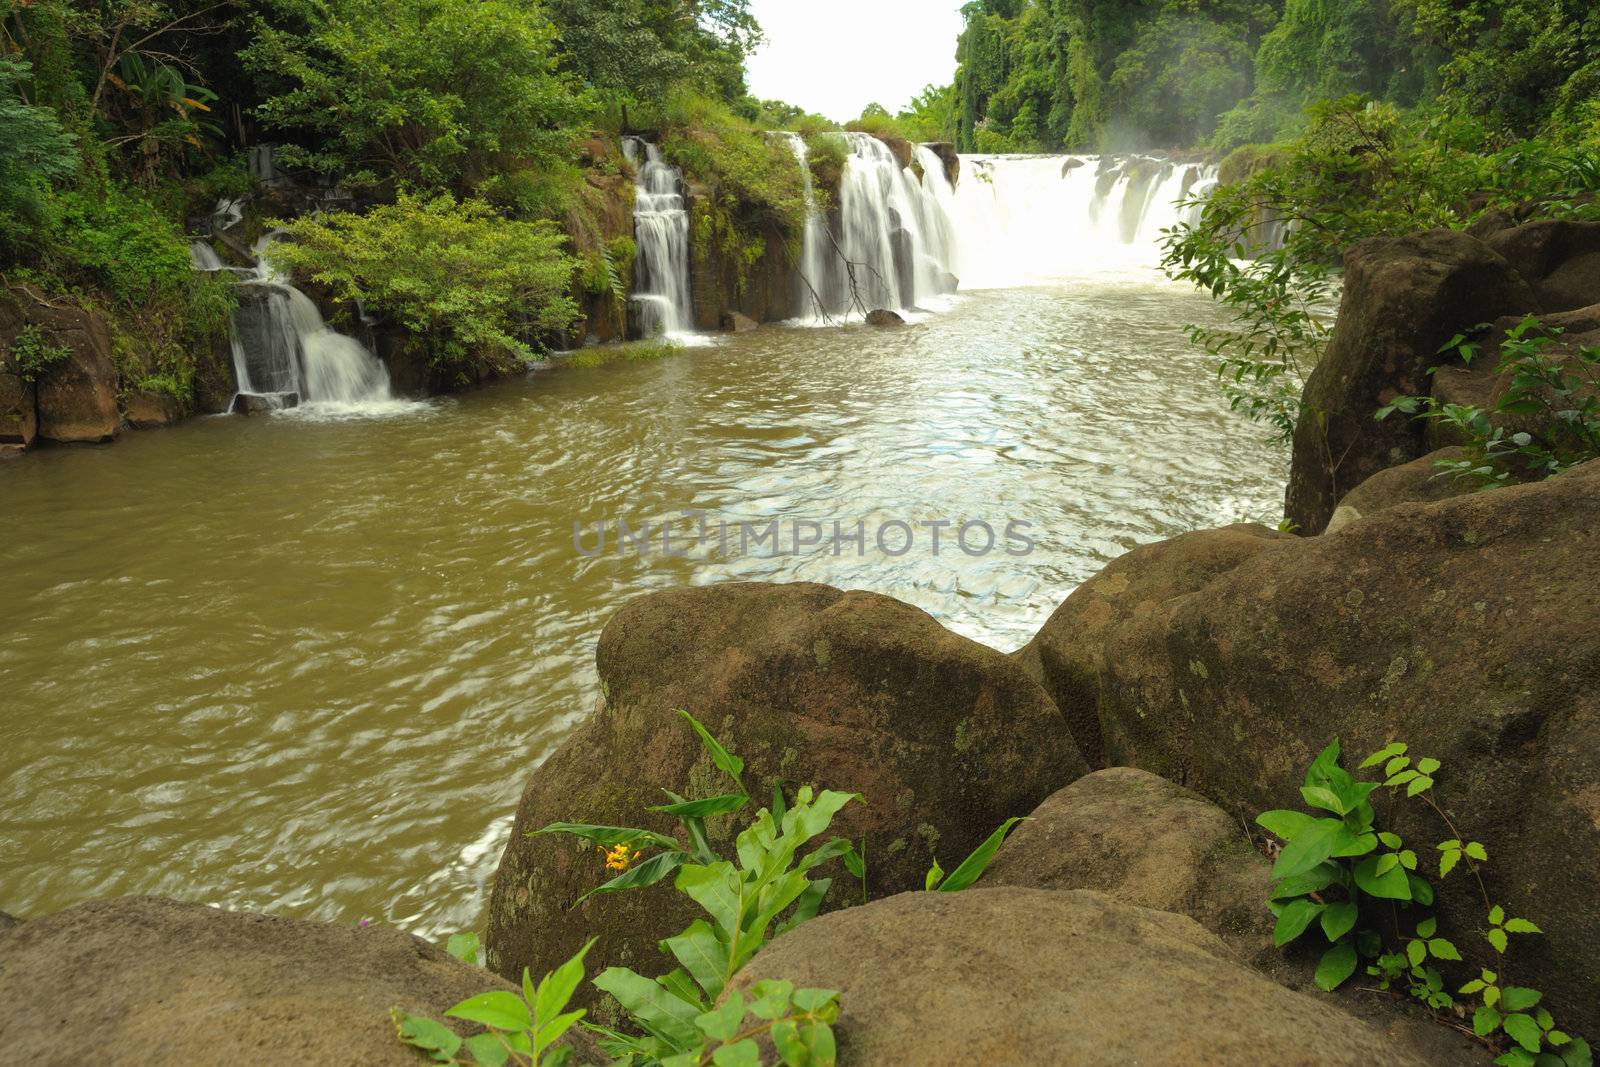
420 94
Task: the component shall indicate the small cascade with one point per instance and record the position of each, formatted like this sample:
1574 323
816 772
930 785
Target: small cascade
661 293
284 354
1029 219
815 254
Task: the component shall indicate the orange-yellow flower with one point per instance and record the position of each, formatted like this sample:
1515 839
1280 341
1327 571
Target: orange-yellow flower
619 858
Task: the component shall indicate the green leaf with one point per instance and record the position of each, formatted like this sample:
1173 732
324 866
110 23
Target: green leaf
1338 920
1521 926
609 835
745 1053
1485 1021
723 1023
1389 751
1308 848
463 947
1283 823
558 986
1577 1054
1523 1030
1420 784
1337 964
1295 917
1391 885
1395 766
716 888
1386 863
703 955
972 868
1519 998
1516 1057
1427 765
1319 796
1497 915
1442 949
1390 840
434 1037
1416 952
1315 880
705 809
806 905
488 1050
1448 861
1421 889
646 873
772 998
652 1007
934 876
1497 937
1427 927
726 761
550 1030
503 1011
1477 852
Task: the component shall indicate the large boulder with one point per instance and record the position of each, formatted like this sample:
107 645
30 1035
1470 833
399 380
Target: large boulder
1067 656
943 737
75 396
1404 297
1018 977
19 417
147 409
951 159
1419 480
1145 841
1464 627
1559 258
142 980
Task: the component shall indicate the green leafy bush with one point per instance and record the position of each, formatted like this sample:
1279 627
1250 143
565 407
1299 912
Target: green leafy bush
34 151
118 242
474 286
1339 871
1556 397
32 355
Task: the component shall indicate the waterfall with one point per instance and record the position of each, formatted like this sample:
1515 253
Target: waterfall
661 295
1022 220
284 354
889 242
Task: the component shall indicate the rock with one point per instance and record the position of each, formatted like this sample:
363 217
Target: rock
898 146
215 380
948 283
147 410
262 403
1462 627
75 397
1069 165
884 317
950 158
943 737
1404 297
19 418
141 980
1014 977
7 921
1558 257
1067 654
1419 481
734 322
1142 840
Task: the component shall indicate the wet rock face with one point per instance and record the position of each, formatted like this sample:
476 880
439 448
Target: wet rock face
140 980
1403 298
1015 977
75 396
943 738
884 317
1461 626
146 410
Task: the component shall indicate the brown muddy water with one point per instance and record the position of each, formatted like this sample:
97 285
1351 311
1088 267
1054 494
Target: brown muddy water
305 664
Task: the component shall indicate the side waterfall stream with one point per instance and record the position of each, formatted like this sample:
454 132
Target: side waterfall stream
307 664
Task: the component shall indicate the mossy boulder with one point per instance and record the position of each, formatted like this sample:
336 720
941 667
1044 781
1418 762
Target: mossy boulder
943 738
1012 977
1404 298
1067 656
141 980
1419 481
75 395
1464 627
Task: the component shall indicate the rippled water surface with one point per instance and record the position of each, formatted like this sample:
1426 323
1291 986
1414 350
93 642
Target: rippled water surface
305 665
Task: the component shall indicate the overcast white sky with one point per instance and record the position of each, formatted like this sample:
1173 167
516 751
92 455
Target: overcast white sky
837 56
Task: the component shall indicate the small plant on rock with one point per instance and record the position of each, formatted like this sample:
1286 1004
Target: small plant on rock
1340 871
1561 395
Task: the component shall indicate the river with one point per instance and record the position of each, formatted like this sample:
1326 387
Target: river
305 663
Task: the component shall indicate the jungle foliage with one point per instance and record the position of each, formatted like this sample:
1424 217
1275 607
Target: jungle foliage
1047 75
